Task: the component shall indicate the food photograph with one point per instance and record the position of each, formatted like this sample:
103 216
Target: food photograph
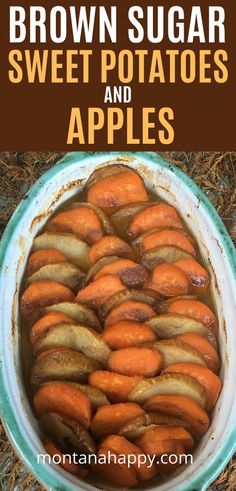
117 313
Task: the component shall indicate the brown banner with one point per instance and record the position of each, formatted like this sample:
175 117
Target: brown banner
180 95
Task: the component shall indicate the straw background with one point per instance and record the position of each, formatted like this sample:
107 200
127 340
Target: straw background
214 172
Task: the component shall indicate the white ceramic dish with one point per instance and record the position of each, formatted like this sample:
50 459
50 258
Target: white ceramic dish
56 186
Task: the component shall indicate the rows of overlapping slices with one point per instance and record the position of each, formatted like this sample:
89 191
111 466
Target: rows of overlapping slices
124 344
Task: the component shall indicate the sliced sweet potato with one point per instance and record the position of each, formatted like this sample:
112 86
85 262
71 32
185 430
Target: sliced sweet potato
121 218
120 445
210 381
42 293
137 426
169 384
75 249
162 254
146 296
150 439
111 192
97 292
130 273
109 419
160 215
198 276
167 468
81 221
176 351
77 337
105 221
168 237
130 311
169 325
67 274
95 395
64 398
164 305
62 365
96 267
182 407
169 281
47 321
136 361
65 429
65 462
80 313
110 245
127 333
161 447
42 258
197 310
112 471
204 347
117 387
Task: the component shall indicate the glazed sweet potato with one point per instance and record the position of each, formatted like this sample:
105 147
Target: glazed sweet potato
111 192
136 361
109 419
129 311
64 398
169 281
150 440
113 472
110 245
162 254
42 293
47 321
124 334
210 381
42 258
168 237
97 292
66 463
197 310
131 274
160 215
81 221
204 347
198 277
117 387
145 295
182 407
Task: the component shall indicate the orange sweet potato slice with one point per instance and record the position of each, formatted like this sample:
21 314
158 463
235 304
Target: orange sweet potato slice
130 273
110 245
114 472
43 293
114 191
160 215
136 361
124 334
64 398
168 280
182 407
67 464
131 310
47 321
81 221
149 441
109 418
210 381
96 293
197 310
168 237
120 445
117 387
198 276
42 258
206 349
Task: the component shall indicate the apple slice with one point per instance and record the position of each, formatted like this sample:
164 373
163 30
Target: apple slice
62 365
169 384
67 274
106 170
95 395
139 425
162 254
65 429
80 313
75 249
176 351
169 325
146 296
76 337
